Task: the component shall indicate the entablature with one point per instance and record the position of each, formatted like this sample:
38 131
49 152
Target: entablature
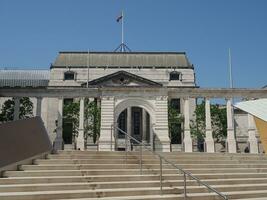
74 92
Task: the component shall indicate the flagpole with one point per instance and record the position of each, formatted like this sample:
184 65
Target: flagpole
230 68
88 54
231 86
122 31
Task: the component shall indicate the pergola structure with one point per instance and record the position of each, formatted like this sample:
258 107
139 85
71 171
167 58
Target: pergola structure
142 97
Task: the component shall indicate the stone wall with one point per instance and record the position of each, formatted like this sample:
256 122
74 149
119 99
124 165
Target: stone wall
157 75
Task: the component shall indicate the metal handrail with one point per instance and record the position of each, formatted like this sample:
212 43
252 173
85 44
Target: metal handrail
223 196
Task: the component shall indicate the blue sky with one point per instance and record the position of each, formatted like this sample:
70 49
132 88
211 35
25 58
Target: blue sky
33 31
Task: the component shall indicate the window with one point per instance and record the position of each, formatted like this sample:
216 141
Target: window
122 123
175 104
175 76
69 75
68 101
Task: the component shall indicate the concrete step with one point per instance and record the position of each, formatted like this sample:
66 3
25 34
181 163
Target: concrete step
218 179
261 198
136 161
80 178
192 186
195 196
165 154
147 197
8 182
105 178
35 173
45 195
133 193
151 157
133 166
90 185
109 175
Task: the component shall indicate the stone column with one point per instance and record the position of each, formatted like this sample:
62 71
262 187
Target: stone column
188 147
231 142
16 109
58 143
144 121
151 134
129 127
80 138
106 139
39 106
209 138
252 140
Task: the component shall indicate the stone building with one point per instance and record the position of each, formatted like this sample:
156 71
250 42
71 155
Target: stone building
133 89
135 115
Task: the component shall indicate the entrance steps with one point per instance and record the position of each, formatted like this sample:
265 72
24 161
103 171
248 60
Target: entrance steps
92 175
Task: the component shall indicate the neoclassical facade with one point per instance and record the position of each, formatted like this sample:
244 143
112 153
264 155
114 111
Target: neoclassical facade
137 115
133 90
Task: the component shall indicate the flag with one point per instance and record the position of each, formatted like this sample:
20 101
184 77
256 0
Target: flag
119 17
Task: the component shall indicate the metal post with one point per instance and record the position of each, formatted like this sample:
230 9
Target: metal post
122 31
152 137
160 159
126 148
111 137
88 65
185 186
140 158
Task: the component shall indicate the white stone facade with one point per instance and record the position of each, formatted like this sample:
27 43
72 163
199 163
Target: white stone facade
111 107
157 75
134 70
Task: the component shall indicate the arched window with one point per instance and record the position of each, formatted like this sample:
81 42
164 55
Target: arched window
69 75
175 76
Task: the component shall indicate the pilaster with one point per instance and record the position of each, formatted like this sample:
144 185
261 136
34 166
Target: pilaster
38 106
129 127
252 140
162 140
58 143
144 127
106 140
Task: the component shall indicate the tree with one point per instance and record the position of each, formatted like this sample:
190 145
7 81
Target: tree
93 119
25 109
71 115
174 122
218 123
71 111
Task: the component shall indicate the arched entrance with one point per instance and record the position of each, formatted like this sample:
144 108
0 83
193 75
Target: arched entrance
136 122
135 117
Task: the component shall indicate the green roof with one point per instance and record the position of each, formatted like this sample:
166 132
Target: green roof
122 59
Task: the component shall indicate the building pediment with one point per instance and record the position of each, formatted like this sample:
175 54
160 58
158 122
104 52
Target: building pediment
122 79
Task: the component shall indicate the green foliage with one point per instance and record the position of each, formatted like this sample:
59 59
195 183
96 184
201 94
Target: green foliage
174 122
93 119
25 109
197 126
218 122
71 115
7 111
92 114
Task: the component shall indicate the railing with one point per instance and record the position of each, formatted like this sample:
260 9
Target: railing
161 158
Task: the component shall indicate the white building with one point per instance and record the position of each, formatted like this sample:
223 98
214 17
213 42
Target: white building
133 89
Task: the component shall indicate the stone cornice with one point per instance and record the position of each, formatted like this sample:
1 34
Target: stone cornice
72 92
